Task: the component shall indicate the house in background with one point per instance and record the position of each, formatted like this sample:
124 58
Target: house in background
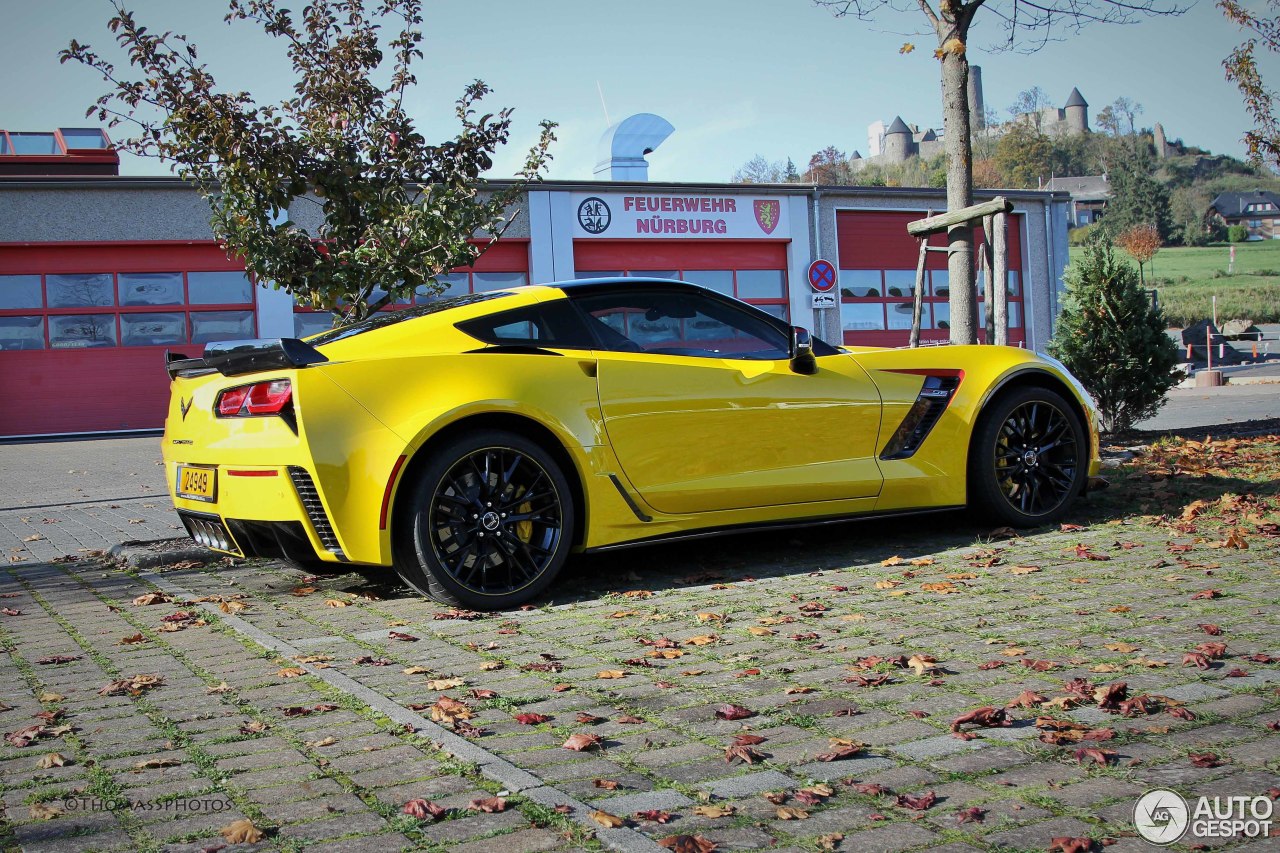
1089 195
1257 210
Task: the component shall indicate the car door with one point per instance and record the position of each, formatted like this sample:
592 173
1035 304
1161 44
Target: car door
704 412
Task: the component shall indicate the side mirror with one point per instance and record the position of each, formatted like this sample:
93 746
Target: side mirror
801 352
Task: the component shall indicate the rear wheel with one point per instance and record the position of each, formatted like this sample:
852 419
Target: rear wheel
1029 458
489 524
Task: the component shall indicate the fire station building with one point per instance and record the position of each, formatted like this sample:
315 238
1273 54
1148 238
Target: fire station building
101 272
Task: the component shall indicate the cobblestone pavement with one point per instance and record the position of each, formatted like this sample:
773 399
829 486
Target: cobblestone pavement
69 497
312 707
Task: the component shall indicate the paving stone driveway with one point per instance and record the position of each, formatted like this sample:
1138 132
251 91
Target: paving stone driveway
305 706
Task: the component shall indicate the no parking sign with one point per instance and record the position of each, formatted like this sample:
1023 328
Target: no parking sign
822 276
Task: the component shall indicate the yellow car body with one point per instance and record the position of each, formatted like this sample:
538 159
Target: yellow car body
653 445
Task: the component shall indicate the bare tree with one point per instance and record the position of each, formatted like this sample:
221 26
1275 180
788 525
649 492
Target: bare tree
1029 103
1028 25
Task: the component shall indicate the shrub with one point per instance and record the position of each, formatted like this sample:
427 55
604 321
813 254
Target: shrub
1237 234
1112 341
1080 236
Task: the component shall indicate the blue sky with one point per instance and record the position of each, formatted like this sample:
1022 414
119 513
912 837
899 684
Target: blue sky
737 78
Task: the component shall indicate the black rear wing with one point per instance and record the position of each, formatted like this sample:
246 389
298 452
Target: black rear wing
233 358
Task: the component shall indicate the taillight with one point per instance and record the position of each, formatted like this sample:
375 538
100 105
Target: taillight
262 398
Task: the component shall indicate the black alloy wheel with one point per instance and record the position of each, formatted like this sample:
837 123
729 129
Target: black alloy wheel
1030 459
491 522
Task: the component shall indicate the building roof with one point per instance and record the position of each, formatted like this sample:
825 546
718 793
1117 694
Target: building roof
1237 204
1083 188
898 126
1075 99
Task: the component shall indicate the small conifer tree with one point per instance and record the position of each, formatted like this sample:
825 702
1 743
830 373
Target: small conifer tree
1112 340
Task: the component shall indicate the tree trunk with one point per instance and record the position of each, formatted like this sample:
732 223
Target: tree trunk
955 123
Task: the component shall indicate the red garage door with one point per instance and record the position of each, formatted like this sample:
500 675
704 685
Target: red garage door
878 273
753 271
83 329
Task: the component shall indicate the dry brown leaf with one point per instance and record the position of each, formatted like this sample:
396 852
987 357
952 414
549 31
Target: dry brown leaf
792 813
714 811
416 670
291 672
445 683
611 673
40 811
336 602
761 632
1023 570
703 640
52 759
241 832
609 821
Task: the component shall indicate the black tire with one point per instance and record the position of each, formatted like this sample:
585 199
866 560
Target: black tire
1029 458
488 523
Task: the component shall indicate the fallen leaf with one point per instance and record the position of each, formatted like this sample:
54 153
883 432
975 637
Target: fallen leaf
611 673
745 754
654 816
609 821
687 844
424 810
606 784
148 598
920 803
489 805
734 712
531 719
291 672
791 813
241 832
1023 570
984 717
581 741
1067 844
714 811
971 815
336 602
445 683
40 811
52 759
1204 759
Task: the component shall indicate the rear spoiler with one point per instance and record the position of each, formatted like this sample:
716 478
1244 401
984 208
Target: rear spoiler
233 358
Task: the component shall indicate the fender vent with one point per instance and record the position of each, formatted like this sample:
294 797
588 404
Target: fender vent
310 498
931 402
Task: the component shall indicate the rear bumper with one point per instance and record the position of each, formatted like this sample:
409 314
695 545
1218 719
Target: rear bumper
261 512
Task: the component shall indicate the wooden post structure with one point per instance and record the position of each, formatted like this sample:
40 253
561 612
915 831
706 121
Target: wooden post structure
921 229
917 296
988 274
998 300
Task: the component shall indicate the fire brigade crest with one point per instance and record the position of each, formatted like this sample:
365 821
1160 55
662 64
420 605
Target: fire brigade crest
767 213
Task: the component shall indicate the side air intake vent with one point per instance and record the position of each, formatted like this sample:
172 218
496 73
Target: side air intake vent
923 415
310 498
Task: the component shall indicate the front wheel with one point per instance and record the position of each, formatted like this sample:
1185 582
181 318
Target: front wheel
489 524
1029 458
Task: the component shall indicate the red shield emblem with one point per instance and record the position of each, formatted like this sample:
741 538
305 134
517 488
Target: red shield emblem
767 214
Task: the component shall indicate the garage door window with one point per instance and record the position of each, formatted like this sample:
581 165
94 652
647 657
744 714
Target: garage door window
125 309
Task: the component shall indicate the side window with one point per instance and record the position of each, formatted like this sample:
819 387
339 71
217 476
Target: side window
667 322
552 324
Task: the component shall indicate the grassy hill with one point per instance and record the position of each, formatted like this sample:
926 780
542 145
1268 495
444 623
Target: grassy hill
1188 278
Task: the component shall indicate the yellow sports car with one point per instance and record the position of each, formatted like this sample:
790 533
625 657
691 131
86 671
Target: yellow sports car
474 442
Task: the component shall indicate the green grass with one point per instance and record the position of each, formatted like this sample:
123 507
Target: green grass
1189 278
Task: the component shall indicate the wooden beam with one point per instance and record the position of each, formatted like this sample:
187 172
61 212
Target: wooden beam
943 221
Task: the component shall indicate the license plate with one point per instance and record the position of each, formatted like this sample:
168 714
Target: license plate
198 484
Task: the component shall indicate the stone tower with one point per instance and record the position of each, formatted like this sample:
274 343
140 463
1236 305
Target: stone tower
1161 142
897 142
1077 113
